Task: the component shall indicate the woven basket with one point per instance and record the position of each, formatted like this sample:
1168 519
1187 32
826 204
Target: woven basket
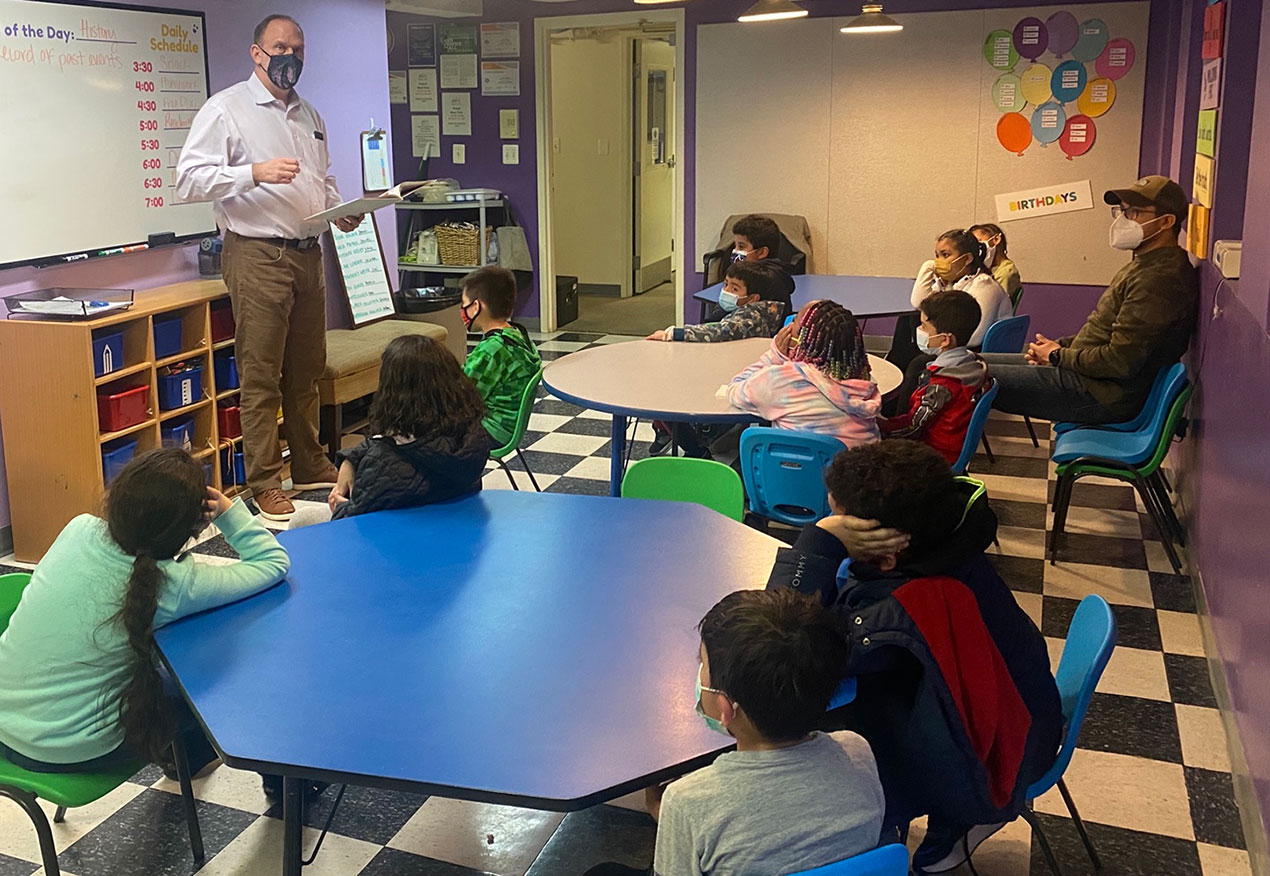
460 245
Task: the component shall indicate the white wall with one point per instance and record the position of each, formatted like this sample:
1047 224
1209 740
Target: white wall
884 141
588 80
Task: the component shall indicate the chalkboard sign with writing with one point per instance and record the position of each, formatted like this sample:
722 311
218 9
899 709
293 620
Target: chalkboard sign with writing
366 282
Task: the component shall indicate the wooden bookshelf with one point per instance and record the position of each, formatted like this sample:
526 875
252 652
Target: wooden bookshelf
48 404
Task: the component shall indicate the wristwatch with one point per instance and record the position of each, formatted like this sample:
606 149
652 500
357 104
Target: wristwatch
1055 356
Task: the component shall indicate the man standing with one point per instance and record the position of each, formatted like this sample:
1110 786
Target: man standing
1143 322
258 151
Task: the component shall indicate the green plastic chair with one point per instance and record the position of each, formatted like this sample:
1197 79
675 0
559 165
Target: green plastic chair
681 479
1016 298
70 790
522 422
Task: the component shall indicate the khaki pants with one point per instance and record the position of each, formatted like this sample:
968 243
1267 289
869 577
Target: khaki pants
279 300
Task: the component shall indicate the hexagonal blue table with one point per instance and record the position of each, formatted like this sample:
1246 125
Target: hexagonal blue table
520 648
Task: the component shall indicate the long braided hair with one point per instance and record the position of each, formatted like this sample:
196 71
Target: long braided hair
154 507
829 337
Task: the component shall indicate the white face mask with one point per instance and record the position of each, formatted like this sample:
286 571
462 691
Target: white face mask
1127 234
924 344
992 254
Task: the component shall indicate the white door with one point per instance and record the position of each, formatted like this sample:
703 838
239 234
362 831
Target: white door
654 175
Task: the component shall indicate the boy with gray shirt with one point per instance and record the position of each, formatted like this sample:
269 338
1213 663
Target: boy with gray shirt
788 799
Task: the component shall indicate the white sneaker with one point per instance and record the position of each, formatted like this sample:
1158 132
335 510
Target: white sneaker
962 851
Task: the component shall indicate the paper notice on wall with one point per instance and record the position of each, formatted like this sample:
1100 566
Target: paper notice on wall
456 113
423 90
1045 201
1202 187
397 86
458 71
500 40
1210 85
500 78
425 136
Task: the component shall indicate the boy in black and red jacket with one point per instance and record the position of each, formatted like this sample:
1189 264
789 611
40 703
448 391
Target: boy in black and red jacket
950 380
955 693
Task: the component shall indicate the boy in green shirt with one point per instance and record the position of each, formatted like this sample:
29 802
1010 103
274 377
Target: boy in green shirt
505 360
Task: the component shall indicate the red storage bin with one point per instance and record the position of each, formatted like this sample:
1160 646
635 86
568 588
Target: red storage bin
122 409
222 322
229 422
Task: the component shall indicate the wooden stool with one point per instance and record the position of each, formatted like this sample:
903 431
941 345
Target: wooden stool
352 368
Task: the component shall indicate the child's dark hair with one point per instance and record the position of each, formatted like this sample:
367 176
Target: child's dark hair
761 280
154 506
902 484
760 232
495 288
954 312
829 337
423 392
779 655
992 230
965 242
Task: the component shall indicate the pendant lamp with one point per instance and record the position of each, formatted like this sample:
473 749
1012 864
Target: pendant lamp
871 20
773 10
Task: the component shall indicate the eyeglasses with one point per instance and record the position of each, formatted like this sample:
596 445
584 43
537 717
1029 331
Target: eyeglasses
1132 212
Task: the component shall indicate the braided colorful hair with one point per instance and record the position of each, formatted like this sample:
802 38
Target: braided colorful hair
829 337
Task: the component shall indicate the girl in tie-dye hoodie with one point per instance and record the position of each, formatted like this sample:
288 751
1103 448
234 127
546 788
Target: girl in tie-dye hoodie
815 378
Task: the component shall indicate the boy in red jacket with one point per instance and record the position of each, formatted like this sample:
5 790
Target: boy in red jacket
941 405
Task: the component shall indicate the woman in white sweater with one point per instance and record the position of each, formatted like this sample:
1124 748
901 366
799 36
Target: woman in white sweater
959 264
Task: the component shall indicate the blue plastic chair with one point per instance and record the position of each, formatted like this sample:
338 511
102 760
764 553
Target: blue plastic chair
1126 446
888 860
1009 336
1091 638
1153 398
784 470
974 432
790 318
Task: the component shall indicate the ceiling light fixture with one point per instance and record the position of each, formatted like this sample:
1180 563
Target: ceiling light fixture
655 2
871 20
773 10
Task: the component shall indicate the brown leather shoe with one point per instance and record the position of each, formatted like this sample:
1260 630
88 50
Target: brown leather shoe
274 505
323 481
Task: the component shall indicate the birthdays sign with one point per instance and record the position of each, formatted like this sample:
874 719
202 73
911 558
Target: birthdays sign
1054 77
1045 201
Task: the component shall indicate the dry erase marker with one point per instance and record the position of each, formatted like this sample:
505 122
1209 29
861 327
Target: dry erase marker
75 258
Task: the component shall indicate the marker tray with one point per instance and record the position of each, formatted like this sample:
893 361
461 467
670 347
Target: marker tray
62 302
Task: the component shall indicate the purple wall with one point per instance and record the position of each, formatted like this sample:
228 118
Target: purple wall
1224 470
345 77
1057 310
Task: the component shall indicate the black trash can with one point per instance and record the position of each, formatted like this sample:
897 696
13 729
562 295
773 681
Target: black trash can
426 299
566 300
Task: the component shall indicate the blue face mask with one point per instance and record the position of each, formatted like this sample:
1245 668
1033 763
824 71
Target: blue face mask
728 301
713 723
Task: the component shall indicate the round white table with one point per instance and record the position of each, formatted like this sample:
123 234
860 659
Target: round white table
659 380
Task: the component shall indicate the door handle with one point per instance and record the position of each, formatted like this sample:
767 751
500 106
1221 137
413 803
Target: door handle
670 162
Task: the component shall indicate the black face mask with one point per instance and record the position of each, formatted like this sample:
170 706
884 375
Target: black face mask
284 70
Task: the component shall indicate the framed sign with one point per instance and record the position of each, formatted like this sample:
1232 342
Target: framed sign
367 286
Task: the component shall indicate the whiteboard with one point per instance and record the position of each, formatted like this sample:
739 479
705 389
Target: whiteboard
884 141
366 281
96 102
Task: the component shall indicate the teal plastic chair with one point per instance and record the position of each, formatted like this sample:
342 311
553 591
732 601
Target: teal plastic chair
70 790
499 454
888 860
784 473
1162 379
1016 299
974 431
1091 637
683 479
1008 336
1134 457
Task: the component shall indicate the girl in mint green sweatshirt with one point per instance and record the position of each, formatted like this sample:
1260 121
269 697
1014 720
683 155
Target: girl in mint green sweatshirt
79 676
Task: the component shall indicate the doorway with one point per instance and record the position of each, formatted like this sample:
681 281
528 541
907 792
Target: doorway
610 185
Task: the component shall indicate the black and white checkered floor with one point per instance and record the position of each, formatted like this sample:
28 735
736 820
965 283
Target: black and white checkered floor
1151 777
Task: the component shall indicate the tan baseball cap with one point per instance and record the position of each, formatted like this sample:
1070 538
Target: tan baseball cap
1152 191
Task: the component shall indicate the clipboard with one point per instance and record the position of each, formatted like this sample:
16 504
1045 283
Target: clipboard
376 161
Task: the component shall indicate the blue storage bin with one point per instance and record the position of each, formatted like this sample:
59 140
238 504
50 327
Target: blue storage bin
107 352
233 470
179 433
167 336
115 455
180 389
226 371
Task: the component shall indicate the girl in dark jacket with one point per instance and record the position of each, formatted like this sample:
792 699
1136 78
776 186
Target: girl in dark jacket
427 443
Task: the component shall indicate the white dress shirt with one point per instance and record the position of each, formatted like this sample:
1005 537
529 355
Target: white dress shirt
244 125
994 304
